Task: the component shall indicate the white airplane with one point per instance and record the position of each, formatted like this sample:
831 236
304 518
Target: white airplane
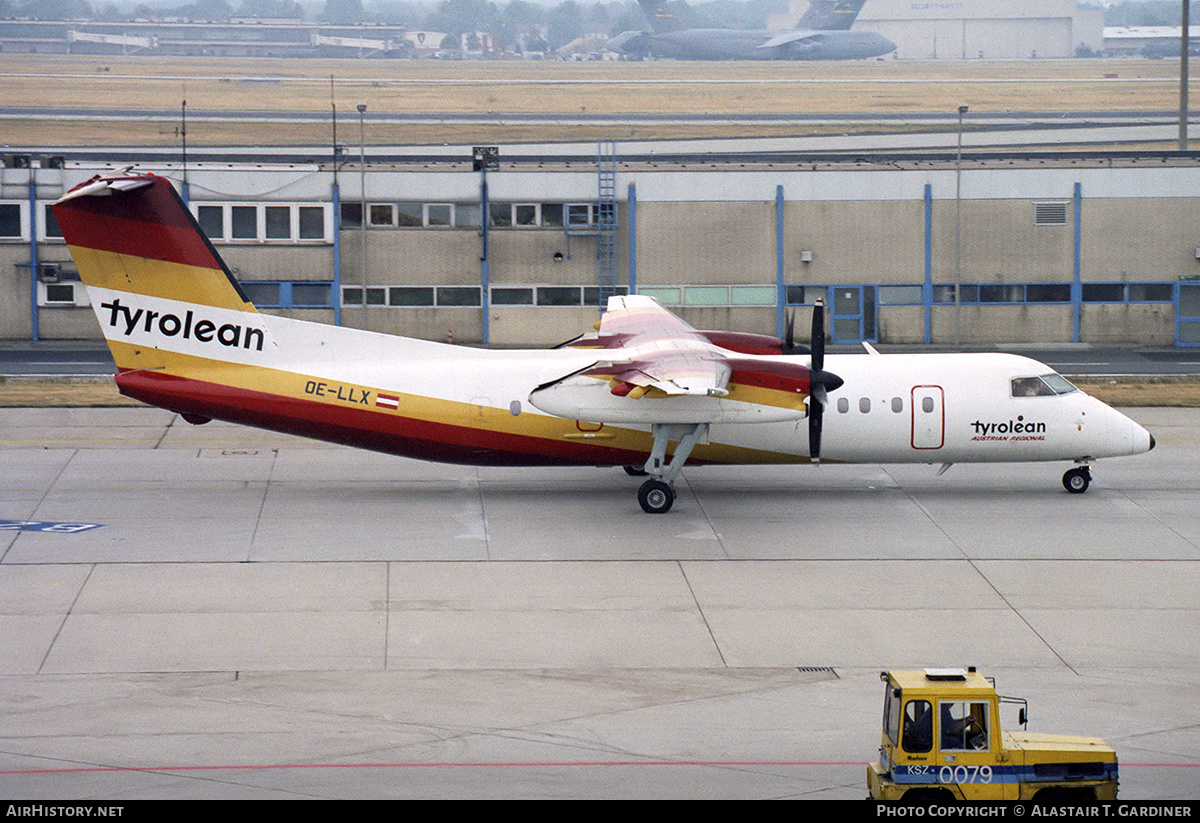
644 387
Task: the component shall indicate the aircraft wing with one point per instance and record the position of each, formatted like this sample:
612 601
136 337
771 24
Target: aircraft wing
797 36
652 367
663 352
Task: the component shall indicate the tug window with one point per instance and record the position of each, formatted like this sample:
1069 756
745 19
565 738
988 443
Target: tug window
964 726
918 726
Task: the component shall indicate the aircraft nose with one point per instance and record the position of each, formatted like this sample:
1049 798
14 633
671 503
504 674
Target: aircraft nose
1143 441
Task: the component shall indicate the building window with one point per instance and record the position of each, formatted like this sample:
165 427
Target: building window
439 214
804 295
512 297
300 294
268 223
245 223
1048 293
351 216
212 221
262 294
580 214
410 296
591 294
899 295
278 222
312 294
381 214
409 215
558 296
60 294
312 222
458 296
10 220
666 296
353 296
50 229
1151 292
706 296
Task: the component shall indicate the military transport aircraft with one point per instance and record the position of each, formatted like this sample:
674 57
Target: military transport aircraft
823 33
643 387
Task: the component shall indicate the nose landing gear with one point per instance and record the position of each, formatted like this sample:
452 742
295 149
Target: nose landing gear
1077 480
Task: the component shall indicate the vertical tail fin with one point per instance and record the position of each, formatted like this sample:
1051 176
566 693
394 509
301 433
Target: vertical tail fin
155 281
830 15
660 15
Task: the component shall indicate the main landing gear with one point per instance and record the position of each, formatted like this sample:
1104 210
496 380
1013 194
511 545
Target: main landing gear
1077 480
657 494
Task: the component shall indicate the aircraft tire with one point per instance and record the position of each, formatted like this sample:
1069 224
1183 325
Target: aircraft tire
1076 481
635 471
656 497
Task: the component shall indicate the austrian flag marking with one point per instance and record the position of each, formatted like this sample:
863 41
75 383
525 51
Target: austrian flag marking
387 401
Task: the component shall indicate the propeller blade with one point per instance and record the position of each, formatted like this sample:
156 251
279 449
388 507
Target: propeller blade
816 412
788 344
818 336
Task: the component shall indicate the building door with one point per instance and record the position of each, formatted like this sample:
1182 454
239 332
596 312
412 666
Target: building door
853 316
1187 317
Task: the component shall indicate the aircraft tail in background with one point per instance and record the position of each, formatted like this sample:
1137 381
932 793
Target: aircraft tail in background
830 15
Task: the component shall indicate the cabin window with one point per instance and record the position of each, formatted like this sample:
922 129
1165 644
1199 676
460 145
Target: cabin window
927 405
897 405
864 404
964 726
843 405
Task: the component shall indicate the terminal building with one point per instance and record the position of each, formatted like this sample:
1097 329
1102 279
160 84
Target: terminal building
1089 248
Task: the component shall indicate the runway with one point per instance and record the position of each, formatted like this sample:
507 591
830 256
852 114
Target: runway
248 615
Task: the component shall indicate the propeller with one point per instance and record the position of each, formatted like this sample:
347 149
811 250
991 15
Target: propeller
822 382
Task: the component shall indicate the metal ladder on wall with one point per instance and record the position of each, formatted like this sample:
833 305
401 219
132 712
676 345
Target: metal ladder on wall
606 220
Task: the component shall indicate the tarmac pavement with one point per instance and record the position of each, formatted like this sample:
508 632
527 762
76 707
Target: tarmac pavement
256 616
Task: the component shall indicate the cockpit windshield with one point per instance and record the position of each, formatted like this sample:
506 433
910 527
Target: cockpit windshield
1046 385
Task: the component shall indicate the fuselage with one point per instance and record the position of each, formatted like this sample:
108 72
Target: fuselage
458 404
727 44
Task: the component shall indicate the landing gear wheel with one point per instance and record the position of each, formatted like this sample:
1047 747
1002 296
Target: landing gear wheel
656 497
635 471
1076 481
